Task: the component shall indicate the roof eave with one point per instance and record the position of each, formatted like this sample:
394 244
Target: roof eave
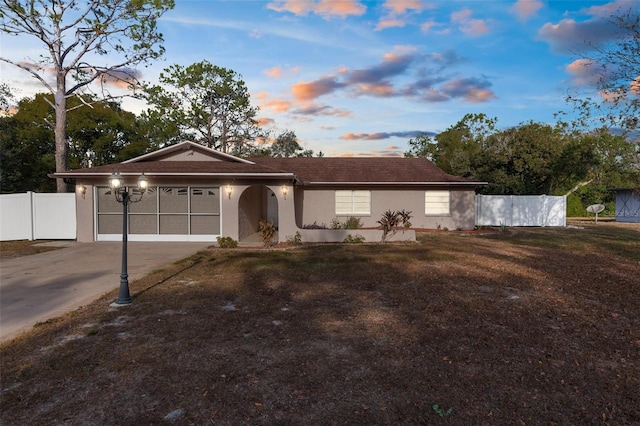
399 183
175 174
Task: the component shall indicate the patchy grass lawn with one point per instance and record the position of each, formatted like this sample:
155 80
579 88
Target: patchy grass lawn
10 249
529 326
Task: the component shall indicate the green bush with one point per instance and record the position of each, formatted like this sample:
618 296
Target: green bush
227 242
354 240
352 223
575 208
296 239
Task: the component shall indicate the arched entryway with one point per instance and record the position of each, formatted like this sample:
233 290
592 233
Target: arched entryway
257 202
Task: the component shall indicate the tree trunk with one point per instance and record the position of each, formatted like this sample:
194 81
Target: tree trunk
62 147
578 186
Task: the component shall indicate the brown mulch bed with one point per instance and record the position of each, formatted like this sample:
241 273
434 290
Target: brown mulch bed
529 326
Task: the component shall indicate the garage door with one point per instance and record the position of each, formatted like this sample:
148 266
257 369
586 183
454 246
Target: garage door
165 213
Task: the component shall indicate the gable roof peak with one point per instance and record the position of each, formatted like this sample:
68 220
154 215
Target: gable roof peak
187 145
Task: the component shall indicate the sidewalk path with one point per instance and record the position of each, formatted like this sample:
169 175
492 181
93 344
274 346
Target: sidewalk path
46 285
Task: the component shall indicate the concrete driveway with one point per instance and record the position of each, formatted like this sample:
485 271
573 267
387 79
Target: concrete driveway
46 285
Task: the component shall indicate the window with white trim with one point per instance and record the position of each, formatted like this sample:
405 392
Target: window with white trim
436 203
355 202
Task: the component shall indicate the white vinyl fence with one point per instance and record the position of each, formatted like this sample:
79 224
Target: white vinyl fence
521 210
34 216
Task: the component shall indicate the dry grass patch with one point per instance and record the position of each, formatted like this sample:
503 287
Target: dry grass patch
10 249
535 326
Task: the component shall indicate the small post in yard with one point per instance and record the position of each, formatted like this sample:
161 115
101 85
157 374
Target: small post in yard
122 194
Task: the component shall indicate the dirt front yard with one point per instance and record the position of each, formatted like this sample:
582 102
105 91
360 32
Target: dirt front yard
529 326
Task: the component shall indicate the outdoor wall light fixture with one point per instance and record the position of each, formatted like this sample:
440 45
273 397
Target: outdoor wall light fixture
123 196
82 190
228 189
285 191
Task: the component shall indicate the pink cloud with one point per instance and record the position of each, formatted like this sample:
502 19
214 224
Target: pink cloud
276 105
279 72
584 72
608 9
525 9
325 8
376 153
380 89
372 80
311 109
342 8
382 135
398 10
613 96
474 27
389 23
306 91
471 89
366 136
426 27
568 36
123 77
476 95
402 6
469 26
265 122
275 72
635 86
379 80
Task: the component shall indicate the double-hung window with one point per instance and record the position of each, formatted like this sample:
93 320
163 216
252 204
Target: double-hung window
353 202
436 203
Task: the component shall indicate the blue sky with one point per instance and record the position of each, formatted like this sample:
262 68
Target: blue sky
361 78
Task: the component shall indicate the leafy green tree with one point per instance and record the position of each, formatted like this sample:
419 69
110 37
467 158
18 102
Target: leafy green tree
6 98
532 158
615 70
157 130
520 160
607 161
207 104
26 154
422 146
74 33
98 134
457 149
102 134
287 145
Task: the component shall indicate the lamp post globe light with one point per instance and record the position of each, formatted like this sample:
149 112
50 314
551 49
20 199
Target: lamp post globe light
123 196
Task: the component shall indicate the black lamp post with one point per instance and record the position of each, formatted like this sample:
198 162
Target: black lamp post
121 192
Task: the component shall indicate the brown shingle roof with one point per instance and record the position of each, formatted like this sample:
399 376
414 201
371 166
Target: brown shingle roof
310 171
177 168
362 170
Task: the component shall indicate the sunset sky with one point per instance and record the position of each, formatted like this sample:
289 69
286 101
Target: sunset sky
363 77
